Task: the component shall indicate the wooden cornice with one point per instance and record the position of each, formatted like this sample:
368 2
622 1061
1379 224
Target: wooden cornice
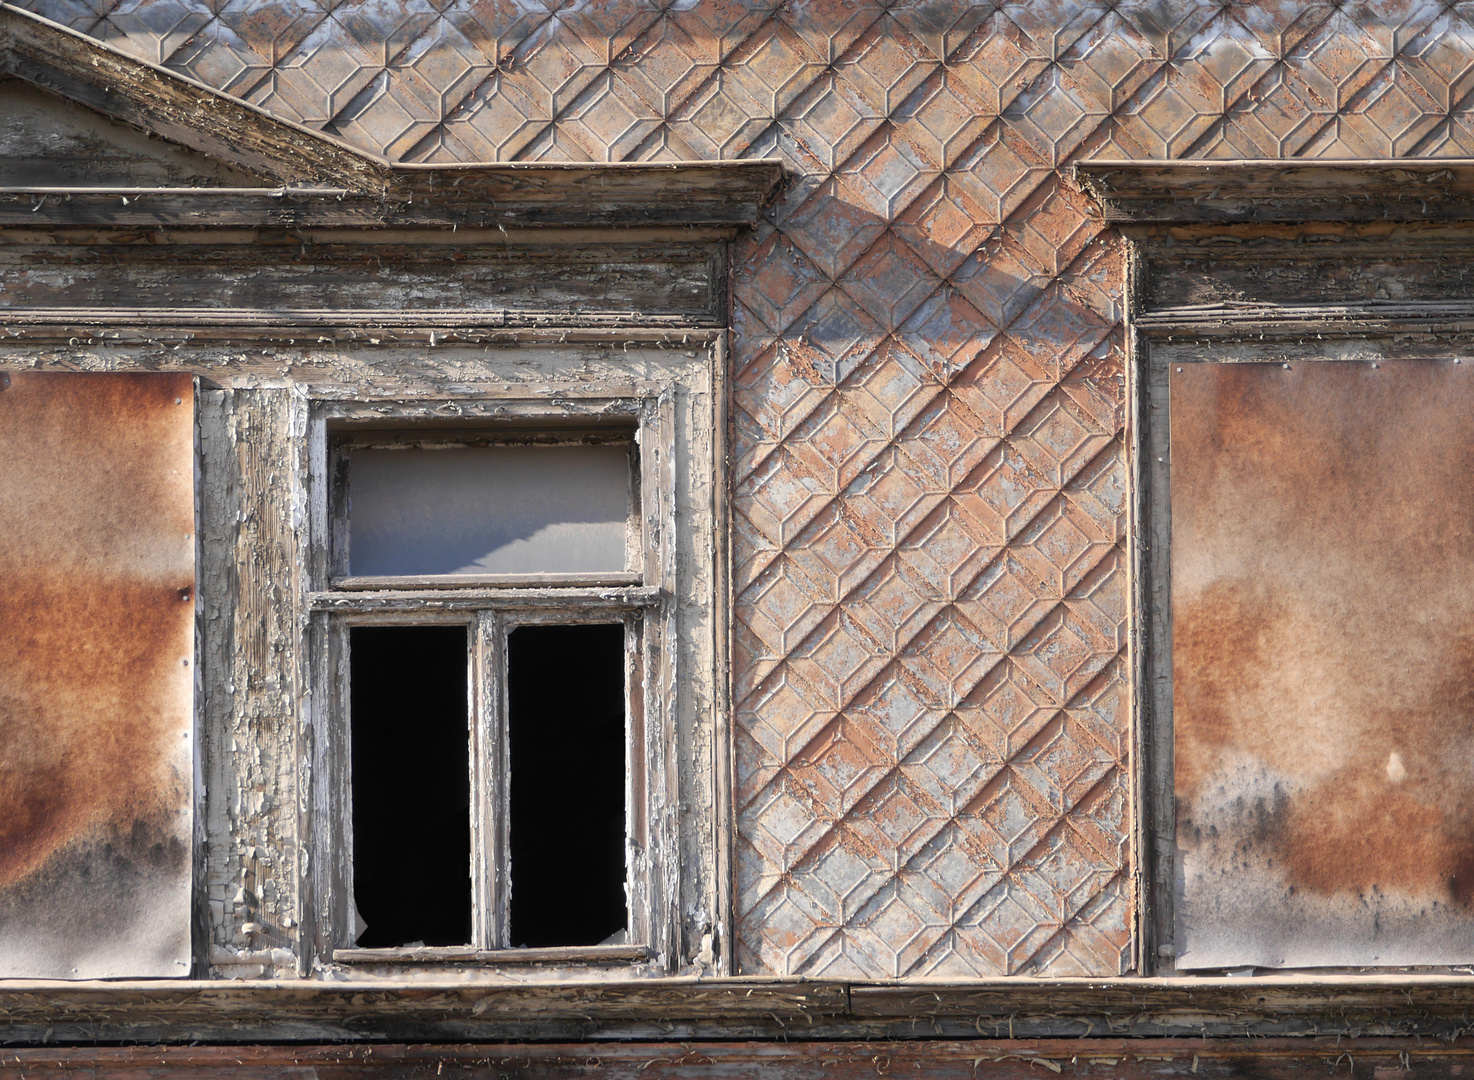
177 108
1150 192
310 179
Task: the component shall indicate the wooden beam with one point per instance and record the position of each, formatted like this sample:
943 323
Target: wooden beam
1013 1059
1397 189
442 1006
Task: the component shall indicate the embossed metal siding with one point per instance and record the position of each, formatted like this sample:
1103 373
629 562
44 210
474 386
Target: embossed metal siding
1322 592
932 732
96 674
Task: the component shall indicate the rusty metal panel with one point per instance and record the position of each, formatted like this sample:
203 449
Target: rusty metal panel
1323 705
96 674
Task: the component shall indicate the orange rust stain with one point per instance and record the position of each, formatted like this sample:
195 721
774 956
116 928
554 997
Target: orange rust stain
1323 620
96 597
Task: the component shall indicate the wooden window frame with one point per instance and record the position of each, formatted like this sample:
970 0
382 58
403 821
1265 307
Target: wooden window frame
490 608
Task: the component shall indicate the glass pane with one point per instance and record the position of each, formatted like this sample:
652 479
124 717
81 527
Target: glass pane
488 510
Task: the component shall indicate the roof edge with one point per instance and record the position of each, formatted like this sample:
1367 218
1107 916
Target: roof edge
172 106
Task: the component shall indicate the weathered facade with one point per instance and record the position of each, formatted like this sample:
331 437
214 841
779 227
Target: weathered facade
990 674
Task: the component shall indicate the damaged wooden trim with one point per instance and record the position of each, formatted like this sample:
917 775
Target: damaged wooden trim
489 582
566 204
179 108
626 598
587 954
1396 189
122 329
1005 1059
573 954
1271 321
366 1008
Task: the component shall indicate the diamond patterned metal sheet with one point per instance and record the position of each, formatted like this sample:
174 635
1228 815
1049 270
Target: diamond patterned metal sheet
930 510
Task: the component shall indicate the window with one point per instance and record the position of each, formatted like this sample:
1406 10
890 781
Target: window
1303 414
492 623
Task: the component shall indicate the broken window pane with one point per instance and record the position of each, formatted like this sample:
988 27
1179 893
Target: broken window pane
411 784
485 510
566 698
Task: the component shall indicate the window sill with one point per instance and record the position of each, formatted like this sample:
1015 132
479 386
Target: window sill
611 579
567 954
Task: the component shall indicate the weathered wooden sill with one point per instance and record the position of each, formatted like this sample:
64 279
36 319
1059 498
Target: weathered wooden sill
610 598
573 954
431 1009
613 580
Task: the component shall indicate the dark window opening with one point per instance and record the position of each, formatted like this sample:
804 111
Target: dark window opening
411 784
566 700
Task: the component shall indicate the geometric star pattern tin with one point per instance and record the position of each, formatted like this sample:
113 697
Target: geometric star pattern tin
930 507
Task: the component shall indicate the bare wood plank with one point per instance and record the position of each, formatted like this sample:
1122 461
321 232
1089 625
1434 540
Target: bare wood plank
580 954
730 194
146 328
1362 320
169 104
611 580
1396 189
315 284
1007 1059
611 598
1333 271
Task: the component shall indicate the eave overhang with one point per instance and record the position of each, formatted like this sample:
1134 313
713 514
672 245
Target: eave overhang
722 194
310 179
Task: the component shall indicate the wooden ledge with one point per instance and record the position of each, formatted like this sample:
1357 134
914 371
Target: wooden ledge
1279 190
437 1005
720 194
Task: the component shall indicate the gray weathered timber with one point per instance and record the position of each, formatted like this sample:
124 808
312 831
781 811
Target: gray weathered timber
1393 189
315 179
50 141
439 277
251 529
370 1008
175 107
923 1059
681 193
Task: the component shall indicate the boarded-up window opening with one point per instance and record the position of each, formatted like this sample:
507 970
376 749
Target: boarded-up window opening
97 605
411 785
566 735
1320 517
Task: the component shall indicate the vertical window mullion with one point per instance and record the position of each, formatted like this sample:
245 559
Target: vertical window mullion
488 781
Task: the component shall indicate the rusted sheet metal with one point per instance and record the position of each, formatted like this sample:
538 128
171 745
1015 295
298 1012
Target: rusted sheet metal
1322 594
96 674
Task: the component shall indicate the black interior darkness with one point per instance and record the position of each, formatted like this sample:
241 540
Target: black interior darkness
565 686
411 784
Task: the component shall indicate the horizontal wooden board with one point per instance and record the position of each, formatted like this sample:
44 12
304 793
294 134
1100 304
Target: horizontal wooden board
336 284
1395 189
1006 1059
381 1009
